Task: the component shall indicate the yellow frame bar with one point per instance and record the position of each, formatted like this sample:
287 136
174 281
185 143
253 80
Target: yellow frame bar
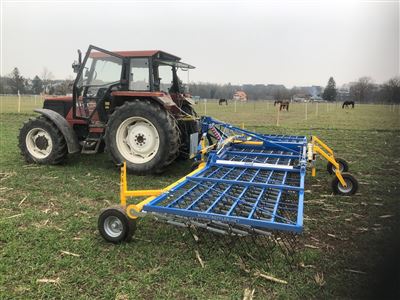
249 143
151 194
330 158
322 144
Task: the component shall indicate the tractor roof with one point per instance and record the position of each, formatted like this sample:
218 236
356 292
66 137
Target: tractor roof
160 56
141 53
147 53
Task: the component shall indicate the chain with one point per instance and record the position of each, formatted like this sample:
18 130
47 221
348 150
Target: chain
232 229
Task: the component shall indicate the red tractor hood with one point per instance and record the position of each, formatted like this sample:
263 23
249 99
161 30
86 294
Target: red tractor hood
59 98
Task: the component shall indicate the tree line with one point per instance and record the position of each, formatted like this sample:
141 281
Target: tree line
363 91
15 83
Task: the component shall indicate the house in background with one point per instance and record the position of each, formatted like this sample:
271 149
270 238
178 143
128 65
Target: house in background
240 96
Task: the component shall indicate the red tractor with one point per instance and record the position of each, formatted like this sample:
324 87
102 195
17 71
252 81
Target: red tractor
130 103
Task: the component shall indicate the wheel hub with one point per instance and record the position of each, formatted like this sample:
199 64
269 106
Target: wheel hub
349 186
137 140
113 226
140 139
41 142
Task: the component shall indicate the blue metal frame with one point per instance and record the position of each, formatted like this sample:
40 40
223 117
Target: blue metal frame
257 185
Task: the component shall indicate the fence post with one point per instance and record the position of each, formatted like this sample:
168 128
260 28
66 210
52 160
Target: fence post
19 102
277 118
316 109
35 100
306 110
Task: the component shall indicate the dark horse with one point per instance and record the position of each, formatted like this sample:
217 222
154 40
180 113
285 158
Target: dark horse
283 105
347 103
222 101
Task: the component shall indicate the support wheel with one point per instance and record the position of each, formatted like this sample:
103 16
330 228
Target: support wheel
350 189
343 166
115 226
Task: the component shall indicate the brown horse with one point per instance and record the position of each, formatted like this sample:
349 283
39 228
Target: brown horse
347 103
222 101
283 105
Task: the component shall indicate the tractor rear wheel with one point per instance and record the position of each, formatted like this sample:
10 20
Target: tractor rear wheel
42 142
144 135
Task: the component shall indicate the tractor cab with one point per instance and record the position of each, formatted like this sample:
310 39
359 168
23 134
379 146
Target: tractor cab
104 75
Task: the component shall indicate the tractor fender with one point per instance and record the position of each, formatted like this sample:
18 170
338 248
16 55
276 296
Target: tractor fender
63 126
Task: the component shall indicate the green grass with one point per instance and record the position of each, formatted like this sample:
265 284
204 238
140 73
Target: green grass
25 104
62 204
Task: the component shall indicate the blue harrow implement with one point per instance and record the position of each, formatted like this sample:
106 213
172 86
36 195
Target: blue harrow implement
244 184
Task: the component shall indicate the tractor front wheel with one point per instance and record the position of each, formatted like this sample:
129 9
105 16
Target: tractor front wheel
42 142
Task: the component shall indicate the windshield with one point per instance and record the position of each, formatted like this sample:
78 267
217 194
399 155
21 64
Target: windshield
101 70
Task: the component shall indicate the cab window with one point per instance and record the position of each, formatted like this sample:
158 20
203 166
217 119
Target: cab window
139 74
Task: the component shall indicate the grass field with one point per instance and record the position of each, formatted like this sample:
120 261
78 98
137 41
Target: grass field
343 250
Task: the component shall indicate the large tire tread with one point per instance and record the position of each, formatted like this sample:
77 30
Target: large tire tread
171 131
60 150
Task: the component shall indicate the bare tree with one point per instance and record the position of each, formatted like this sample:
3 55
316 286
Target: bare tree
362 90
63 87
47 77
391 90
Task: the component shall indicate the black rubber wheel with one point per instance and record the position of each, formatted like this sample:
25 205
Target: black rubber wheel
343 166
186 129
143 134
40 141
350 189
115 226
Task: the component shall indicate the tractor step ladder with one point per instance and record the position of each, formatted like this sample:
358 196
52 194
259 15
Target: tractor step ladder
92 143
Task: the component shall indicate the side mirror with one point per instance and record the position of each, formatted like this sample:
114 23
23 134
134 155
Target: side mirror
76 66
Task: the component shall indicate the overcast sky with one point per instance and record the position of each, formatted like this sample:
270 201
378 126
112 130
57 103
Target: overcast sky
287 42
